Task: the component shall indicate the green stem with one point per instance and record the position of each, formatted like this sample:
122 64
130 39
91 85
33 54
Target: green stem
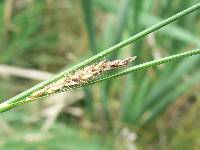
41 85
6 106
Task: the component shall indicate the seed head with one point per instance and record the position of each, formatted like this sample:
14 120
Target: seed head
82 76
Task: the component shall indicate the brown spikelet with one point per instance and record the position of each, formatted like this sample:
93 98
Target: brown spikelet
82 76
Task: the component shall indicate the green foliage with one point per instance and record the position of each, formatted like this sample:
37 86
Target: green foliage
60 137
48 36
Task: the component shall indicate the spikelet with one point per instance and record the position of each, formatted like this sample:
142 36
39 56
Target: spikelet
81 76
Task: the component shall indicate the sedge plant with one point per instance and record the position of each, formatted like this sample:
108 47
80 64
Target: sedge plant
34 93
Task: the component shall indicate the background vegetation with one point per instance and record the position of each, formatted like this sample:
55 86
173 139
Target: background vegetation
153 109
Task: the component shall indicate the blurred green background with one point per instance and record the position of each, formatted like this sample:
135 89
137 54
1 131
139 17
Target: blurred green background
154 109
